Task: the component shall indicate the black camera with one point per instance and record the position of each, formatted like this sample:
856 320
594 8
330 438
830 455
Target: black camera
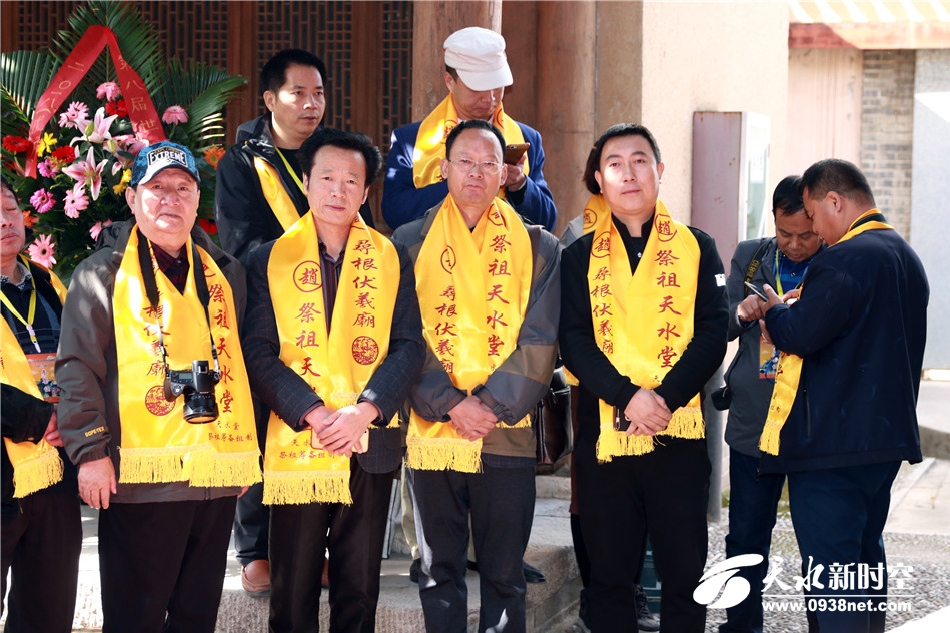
198 387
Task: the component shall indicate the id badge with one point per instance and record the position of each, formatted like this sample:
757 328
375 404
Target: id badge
768 360
41 366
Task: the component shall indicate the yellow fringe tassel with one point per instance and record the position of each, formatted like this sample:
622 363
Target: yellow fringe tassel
213 469
444 454
152 465
298 487
523 423
35 474
687 423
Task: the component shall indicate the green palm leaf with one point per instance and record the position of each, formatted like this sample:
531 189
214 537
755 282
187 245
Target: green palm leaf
203 91
24 75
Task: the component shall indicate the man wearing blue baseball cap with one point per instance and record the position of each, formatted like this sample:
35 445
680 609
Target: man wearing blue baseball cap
150 361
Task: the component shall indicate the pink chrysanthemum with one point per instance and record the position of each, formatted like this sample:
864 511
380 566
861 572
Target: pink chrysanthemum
41 251
48 168
175 114
42 200
75 116
108 91
76 201
96 229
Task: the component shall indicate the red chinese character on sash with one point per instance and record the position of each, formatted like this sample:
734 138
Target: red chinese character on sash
307 313
665 257
223 347
495 293
446 310
363 246
366 264
365 319
226 374
602 273
602 244
496 319
154 313
308 368
498 267
494 342
605 329
307 338
448 366
364 301
449 292
667 279
667 354
667 331
445 329
500 243
602 310
608 346
226 401
366 282
444 348
664 227
668 305
309 276
217 293
221 318
157 369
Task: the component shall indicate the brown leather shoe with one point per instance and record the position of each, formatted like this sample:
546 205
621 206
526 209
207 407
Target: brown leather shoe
255 577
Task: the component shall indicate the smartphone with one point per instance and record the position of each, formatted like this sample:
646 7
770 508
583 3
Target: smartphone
758 291
513 153
315 442
621 423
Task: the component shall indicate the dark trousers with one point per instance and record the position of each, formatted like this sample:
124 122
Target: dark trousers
42 545
839 516
354 534
251 519
162 565
753 503
501 503
662 494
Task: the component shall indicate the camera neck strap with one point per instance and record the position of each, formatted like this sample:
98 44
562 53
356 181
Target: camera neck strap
147 263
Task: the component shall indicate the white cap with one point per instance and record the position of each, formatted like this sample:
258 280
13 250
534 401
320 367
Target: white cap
478 56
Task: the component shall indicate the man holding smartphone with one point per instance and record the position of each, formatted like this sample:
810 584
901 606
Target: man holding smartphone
780 262
476 74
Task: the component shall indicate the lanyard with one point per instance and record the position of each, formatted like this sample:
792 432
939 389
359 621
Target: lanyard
290 170
778 276
27 322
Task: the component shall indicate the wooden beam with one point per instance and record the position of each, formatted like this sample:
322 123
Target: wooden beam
871 35
242 28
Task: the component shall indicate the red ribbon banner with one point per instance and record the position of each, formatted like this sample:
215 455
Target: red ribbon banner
145 121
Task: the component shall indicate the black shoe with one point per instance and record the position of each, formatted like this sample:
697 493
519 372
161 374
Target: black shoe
646 619
414 570
533 574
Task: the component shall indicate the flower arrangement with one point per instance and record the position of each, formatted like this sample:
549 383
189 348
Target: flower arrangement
84 154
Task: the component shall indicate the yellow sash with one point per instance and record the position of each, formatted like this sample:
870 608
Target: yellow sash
158 445
789 370
643 322
471 316
434 129
35 466
339 364
277 197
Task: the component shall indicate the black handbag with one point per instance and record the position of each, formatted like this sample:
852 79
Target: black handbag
554 430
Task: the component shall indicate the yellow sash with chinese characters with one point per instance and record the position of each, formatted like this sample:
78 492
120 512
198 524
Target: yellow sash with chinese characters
473 289
644 321
339 364
789 370
434 129
277 197
158 445
35 466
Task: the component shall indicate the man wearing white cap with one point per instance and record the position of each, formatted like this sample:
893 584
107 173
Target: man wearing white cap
476 73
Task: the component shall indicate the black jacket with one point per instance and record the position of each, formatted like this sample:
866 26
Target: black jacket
242 213
599 379
860 326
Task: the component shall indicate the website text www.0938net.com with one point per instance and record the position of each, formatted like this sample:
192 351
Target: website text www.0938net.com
869 605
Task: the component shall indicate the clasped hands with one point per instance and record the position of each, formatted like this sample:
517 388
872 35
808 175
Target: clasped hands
472 419
340 430
647 412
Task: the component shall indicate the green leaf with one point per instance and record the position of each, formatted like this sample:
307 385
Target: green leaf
24 76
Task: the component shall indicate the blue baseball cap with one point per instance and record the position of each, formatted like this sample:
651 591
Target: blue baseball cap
162 155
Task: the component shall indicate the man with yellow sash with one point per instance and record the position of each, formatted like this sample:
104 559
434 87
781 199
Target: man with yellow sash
843 411
156 407
42 529
333 342
489 289
258 195
476 74
643 327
